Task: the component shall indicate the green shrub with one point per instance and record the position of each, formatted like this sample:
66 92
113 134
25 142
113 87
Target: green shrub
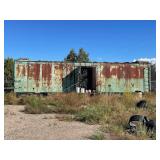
35 105
67 103
97 136
91 114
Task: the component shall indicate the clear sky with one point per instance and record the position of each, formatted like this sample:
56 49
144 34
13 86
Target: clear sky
111 41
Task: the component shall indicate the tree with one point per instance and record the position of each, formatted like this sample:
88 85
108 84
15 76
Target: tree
71 57
83 56
9 73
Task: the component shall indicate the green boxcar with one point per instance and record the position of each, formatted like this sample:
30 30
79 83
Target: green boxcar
52 77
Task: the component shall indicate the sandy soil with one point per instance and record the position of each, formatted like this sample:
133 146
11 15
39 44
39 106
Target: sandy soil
19 125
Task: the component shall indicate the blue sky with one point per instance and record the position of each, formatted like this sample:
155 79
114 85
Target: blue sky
111 41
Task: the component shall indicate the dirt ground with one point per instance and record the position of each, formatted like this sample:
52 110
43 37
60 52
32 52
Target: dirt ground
21 126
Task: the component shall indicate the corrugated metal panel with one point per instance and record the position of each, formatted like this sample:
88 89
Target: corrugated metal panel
43 76
57 76
38 77
121 77
146 79
69 72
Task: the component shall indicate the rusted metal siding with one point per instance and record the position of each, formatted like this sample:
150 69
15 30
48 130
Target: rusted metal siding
121 78
38 77
45 76
125 71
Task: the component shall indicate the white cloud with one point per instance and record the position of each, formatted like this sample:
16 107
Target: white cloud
151 60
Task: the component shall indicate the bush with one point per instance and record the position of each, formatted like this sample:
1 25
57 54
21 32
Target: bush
35 105
91 114
10 98
67 103
97 136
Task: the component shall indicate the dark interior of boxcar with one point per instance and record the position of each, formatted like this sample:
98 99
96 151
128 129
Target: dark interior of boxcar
88 78
84 77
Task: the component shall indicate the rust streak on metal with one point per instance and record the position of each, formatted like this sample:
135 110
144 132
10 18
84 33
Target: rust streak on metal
61 71
37 74
24 71
36 71
47 73
98 83
30 70
18 70
106 71
58 70
126 71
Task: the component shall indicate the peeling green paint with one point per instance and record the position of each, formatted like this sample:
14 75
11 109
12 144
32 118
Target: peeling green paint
50 77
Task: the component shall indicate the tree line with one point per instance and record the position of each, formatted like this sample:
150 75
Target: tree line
9 73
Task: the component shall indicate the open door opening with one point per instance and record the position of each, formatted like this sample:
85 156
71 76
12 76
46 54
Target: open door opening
88 78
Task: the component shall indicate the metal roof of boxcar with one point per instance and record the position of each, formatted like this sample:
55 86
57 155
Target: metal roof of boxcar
136 62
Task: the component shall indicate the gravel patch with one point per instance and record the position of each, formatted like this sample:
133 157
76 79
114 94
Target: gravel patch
21 126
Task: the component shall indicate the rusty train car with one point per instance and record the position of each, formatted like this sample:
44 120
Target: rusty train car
102 77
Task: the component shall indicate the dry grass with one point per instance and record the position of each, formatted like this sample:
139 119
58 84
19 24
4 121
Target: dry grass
97 136
116 118
35 105
111 112
10 98
67 103
92 114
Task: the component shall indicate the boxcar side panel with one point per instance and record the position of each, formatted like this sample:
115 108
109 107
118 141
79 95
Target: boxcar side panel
48 77
20 77
121 78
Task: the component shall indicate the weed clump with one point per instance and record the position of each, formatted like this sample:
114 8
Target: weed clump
35 105
10 98
97 136
91 114
68 103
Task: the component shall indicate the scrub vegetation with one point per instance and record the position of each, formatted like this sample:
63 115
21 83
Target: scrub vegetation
97 136
111 112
